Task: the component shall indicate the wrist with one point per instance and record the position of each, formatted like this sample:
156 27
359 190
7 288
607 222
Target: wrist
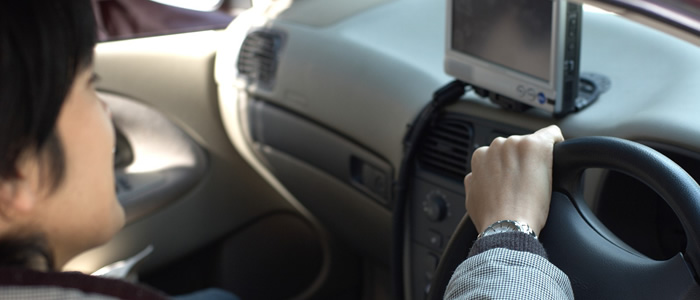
510 240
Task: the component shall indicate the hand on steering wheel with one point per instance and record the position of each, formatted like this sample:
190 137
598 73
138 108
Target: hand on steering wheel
512 180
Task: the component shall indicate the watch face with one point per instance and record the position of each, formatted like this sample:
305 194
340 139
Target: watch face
508 226
505 227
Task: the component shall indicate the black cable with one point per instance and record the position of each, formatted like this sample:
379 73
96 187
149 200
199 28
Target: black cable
447 94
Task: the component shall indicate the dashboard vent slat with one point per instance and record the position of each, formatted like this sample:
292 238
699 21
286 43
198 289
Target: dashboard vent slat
258 57
446 147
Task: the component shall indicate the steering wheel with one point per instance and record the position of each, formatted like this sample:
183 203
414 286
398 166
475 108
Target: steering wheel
600 265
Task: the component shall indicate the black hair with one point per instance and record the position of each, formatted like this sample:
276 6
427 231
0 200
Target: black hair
44 44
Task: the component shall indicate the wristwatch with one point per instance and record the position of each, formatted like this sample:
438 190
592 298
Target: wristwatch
507 226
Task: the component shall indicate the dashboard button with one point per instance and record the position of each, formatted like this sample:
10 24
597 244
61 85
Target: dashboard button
431 262
435 207
435 239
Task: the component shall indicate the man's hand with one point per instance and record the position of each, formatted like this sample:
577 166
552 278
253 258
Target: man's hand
512 180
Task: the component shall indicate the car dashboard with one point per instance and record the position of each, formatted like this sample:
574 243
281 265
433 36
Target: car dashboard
319 96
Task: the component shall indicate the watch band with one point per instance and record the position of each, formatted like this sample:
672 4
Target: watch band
507 226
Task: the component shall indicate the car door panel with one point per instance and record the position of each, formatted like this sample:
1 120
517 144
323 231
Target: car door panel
166 163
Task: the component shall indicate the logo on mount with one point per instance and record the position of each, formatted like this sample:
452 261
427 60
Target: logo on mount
541 99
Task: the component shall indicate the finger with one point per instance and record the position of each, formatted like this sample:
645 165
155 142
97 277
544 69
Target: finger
551 133
467 182
478 155
498 141
467 186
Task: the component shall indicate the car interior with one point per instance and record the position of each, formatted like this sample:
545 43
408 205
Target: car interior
316 149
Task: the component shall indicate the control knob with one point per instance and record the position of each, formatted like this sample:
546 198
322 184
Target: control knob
435 207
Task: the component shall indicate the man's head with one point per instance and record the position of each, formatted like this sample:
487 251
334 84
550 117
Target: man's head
56 139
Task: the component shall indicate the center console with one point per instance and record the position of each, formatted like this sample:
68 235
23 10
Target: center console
436 197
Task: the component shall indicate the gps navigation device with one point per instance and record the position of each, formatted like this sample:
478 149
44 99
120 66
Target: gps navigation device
522 50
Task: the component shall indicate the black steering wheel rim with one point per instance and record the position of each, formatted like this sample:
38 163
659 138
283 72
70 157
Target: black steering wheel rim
599 265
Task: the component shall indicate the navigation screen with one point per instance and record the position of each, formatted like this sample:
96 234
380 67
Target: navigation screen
516 34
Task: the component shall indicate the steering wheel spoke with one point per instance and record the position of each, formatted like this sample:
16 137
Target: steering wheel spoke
601 268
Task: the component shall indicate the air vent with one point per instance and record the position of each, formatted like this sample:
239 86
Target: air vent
446 147
258 57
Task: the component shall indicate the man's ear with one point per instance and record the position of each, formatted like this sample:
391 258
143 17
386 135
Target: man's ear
18 196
